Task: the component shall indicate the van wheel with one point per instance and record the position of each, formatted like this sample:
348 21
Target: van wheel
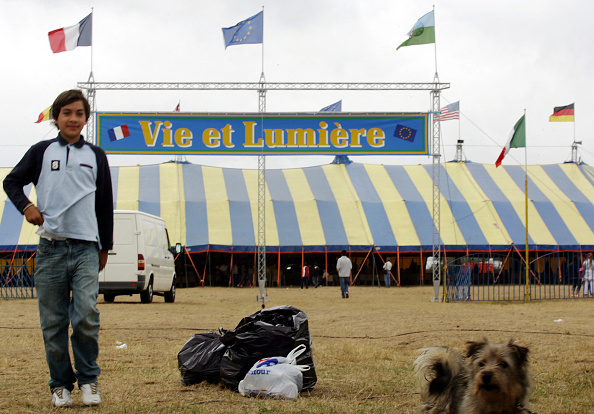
170 296
146 296
108 297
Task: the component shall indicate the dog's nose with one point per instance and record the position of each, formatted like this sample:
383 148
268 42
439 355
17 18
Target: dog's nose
487 376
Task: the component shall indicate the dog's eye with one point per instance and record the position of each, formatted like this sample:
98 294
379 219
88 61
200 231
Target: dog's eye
503 364
481 364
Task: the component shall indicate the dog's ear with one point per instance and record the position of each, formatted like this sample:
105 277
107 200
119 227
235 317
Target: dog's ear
443 377
473 347
520 352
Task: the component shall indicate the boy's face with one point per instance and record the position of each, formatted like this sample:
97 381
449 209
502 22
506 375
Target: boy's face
71 120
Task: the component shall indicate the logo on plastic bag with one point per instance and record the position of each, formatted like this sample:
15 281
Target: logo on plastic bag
266 362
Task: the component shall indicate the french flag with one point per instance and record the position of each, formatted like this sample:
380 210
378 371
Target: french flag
67 38
117 133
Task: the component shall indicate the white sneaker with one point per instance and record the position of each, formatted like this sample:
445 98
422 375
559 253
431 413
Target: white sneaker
61 397
90 393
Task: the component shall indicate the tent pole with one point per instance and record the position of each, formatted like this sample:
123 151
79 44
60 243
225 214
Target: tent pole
421 267
194 266
361 268
326 263
302 261
278 278
204 272
185 269
231 269
256 268
351 275
398 263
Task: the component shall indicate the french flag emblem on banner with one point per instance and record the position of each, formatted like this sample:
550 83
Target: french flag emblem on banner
117 133
67 38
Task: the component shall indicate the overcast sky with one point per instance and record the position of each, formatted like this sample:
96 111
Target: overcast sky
500 58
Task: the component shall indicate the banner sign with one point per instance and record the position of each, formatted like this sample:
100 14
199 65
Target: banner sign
269 134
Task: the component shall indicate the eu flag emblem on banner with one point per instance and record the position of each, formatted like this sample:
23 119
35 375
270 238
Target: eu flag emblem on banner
248 31
405 133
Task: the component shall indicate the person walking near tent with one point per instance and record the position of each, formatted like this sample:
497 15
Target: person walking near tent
344 266
305 276
74 213
387 269
235 275
588 275
574 273
326 278
315 276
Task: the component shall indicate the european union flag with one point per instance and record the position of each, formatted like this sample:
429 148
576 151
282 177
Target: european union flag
405 133
335 107
248 31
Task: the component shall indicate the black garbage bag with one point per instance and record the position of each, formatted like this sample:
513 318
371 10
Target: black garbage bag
264 334
200 358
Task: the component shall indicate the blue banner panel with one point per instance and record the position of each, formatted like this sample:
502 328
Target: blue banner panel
271 134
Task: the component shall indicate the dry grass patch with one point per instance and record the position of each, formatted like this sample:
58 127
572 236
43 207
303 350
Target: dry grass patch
363 350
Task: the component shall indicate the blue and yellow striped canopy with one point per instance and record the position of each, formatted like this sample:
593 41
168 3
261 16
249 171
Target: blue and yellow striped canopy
351 206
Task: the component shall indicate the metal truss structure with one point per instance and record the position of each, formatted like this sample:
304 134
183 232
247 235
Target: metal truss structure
436 172
257 86
262 87
262 204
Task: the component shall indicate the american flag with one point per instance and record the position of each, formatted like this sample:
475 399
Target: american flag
177 108
451 111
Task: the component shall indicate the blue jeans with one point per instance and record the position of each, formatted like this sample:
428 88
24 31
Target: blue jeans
387 278
344 285
62 266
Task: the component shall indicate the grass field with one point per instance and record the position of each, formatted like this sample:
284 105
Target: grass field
363 349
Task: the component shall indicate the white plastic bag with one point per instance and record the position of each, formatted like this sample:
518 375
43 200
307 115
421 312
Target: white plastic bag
275 377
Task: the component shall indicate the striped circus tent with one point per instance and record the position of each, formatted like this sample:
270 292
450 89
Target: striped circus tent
351 206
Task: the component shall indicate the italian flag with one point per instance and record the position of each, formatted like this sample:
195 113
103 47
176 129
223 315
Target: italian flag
563 114
67 38
423 32
517 139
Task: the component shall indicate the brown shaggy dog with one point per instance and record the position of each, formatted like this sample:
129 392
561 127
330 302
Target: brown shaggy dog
493 379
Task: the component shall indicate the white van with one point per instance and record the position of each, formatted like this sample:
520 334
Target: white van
141 261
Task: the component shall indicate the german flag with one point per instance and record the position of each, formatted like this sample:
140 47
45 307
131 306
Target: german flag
562 114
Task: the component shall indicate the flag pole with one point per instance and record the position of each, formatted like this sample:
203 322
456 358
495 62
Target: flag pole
91 133
527 290
91 75
262 79
435 44
459 122
574 122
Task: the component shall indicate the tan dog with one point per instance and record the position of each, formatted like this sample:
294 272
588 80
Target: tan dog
493 379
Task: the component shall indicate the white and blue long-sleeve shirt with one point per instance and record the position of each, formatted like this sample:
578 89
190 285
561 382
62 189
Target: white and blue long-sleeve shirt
73 186
344 266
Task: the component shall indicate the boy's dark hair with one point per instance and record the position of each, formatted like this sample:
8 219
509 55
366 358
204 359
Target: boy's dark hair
66 98
344 252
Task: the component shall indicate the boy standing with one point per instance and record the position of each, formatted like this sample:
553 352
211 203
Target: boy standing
305 276
74 213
